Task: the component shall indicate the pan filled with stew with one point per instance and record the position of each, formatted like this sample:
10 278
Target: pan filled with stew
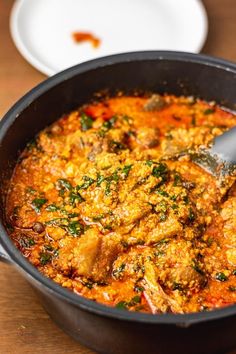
129 244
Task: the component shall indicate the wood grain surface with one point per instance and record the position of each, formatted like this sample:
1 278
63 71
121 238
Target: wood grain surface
24 326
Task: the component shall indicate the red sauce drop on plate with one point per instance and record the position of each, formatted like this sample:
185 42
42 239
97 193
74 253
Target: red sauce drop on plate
80 37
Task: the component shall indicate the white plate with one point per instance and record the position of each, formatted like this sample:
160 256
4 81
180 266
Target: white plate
41 29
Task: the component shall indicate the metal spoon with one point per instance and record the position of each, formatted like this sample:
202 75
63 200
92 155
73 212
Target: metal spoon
220 158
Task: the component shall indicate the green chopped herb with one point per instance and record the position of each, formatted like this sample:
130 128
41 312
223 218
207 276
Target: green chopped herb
88 181
193 121
234 272
174 206
138 288
163 193
86 122
208 111
127 119
108 188
169 136
130 133
122 305
34 144
31 242
37 204
116 146
98 217
88 284
186 199
48 247
140 242
162 216
31 144
9 227
126 170
73 215
108 227
149 163
197 268
173 197
159 253
232 288
45 257
114 177
135 300
64 184
62 222
52 251
75 228
110 123
162 242
221 276
52 207
100 179
160 170
177 180
30 190
163 205
107 125
56 252
15 211
117 273
210 241
177 286
75 197
191 215
204 308
26 242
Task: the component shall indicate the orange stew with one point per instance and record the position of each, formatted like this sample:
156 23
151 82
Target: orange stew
107 203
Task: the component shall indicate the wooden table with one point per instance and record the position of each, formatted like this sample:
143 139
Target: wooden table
24 326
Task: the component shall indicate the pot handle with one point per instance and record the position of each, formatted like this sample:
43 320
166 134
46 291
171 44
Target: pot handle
4 256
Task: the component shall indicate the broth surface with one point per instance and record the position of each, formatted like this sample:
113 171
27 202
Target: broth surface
107 203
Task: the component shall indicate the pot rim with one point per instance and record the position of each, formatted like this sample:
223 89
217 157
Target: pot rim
182 320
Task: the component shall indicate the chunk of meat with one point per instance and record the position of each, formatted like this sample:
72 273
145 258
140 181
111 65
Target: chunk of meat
96 150
148 137
90 256
129 264
63 261
187 277
155 103
94 254
169 228
105 160
182 140
157 299
228 214
130 212
179 266
86 252
231 256
109 250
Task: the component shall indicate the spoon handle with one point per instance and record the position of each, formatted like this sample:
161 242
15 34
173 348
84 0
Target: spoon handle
224 146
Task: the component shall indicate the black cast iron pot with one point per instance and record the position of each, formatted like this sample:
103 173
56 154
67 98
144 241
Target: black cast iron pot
105 329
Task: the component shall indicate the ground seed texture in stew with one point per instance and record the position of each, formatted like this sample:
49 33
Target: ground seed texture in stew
107 203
